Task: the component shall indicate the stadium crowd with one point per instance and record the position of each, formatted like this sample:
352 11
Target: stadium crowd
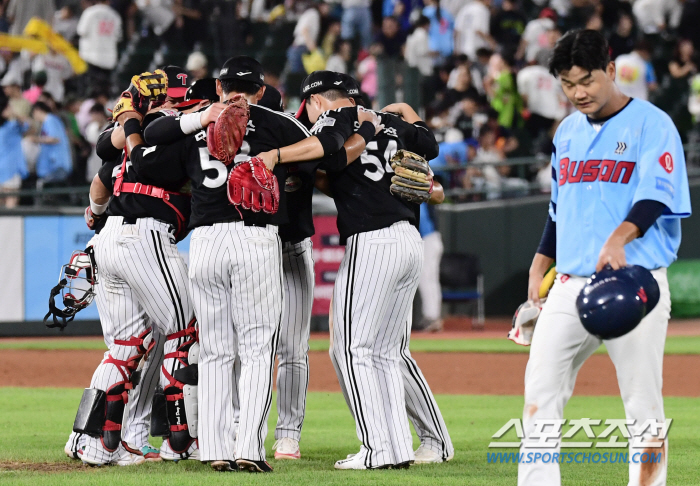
476 68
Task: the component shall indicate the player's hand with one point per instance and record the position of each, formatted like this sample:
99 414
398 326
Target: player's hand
123 117
364 115
404 110
613 254
211 114
533 287
269 158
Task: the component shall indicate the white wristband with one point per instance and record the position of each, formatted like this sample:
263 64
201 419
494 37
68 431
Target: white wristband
98 209
190 123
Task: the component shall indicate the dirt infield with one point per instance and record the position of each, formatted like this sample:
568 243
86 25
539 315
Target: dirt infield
452 373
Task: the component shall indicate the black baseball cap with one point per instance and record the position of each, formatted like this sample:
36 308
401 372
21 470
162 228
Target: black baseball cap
202 89
271 99
243 68
178 81
350 85
320 81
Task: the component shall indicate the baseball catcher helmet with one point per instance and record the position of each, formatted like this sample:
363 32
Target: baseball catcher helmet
614 302
76 284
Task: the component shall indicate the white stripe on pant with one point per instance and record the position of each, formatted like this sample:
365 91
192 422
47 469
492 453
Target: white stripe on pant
560 346
372 301
141 273
236 285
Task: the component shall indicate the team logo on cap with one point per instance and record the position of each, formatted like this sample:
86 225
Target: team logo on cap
243 73
337 83
224 71
353 91
182 77
312 85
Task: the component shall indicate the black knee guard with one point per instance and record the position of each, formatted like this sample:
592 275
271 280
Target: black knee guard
181 391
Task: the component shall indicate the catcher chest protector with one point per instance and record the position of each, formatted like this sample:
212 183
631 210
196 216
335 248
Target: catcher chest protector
100 413
175 411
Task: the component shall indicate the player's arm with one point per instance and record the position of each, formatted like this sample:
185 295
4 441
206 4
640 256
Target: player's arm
99 196
150 161
547 250
327 140
438 194
110 143
168 129
417 136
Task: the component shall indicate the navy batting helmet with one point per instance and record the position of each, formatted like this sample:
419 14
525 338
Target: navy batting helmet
614 302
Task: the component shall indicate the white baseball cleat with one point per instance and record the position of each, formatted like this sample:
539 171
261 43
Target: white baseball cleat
126 458
286 448
425 455
167 453
72 454
357 461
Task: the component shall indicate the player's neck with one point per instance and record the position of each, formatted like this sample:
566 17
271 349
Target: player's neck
616 103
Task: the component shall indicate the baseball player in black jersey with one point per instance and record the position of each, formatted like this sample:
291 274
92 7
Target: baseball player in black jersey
376 281
236 273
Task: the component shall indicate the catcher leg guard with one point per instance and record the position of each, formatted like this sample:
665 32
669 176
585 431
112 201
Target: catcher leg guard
117 395
181 390
91 413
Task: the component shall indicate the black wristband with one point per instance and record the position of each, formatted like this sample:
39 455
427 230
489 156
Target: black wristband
132 126
366 131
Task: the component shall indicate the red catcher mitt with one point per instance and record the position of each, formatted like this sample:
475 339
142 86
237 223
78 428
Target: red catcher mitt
225 136
253 186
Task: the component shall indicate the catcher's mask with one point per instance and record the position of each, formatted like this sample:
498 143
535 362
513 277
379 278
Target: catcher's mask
76 284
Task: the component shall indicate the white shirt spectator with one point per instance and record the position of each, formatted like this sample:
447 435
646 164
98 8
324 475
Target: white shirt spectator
535 37
158 13
651 14
472 18
309 23
417 52
100 28
544 94
337 64
634 74
57 69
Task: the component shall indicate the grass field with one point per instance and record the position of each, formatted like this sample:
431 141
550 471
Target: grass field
674 345
35 422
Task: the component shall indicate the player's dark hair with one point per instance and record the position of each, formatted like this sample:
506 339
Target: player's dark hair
238 86
334 94
586 49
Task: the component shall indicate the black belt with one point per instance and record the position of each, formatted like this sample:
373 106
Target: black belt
238 220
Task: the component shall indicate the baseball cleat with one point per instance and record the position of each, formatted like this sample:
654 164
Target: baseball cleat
72 454
126 458
357 461
223 466
402 465
425 455
253 466
167 453
149 453
286 448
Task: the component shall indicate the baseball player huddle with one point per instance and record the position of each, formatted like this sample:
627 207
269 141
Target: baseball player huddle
192 347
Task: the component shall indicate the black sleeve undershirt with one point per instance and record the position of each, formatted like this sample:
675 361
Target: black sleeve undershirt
644 214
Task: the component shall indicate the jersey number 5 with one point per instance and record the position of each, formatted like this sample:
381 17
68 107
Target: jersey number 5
371 156
209 163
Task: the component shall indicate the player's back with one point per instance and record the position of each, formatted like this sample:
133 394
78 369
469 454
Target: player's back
266 130
361 190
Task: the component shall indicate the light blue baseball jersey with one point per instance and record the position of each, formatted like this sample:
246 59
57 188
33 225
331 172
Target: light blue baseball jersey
600 171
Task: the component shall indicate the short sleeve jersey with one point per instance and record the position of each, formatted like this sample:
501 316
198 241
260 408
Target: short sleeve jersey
601 169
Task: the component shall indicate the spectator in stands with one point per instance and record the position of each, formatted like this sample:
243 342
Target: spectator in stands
497 180
502 91
11 85
65 22
54 162
441 32
13 166
622 40
32 94
341 57
652 14
100 29
197 65
544 101
417 52
19 12
357 21
462 87
535 37
508 25
635 75
305 38
465 121
505 140
83 114
392 38
367 71
472 26
57 69
683 64
98 122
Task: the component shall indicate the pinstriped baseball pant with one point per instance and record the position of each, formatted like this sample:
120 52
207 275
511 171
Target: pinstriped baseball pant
141 273
293 347
372 301
236 284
